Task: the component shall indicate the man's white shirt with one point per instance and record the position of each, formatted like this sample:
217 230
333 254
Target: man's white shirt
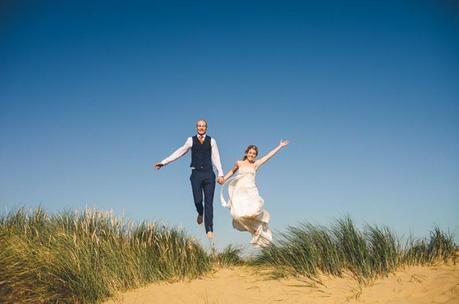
187 146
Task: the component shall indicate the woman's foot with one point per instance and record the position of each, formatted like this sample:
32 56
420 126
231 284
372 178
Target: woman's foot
210 235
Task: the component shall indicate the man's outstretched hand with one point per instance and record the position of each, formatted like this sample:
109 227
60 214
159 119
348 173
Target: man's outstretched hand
220 180
158 166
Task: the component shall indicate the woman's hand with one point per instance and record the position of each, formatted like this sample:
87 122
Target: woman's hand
283 143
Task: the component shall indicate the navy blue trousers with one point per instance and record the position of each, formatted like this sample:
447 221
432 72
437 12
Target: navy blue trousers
203 183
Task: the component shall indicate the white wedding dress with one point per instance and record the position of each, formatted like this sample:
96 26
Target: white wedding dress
247 206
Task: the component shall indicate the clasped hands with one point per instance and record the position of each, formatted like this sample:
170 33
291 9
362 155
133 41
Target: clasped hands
221 180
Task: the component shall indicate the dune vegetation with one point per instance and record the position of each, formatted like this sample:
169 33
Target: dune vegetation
310 250
87 256
84 257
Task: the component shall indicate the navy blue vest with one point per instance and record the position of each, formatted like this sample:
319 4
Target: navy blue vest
201 154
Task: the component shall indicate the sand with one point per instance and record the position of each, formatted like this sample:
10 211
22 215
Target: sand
416 284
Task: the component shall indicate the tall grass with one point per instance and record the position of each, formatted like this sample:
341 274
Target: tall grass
88 256
376 251
427 251
230 256
84 257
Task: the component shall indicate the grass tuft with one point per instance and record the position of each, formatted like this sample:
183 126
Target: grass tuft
87 256
230 256
309 250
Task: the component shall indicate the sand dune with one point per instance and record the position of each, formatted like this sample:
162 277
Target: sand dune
433 284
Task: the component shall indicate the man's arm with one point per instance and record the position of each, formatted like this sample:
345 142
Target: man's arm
216 158
176 155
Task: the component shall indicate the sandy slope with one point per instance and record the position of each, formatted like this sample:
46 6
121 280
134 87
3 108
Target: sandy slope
435 284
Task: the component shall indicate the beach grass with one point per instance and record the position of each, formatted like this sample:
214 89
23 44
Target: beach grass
230 256
87 256
309 250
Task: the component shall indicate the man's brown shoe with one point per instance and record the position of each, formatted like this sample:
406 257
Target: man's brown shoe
199 219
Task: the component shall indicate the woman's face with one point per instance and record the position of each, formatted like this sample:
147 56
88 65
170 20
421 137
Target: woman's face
251 155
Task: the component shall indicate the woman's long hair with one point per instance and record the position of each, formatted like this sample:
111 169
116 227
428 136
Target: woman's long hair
250 147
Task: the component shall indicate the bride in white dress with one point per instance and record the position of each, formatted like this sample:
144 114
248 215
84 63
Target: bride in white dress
247 206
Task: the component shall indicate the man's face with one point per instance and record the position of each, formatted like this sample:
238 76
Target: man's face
201 127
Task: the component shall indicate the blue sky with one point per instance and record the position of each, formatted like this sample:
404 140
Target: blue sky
92 93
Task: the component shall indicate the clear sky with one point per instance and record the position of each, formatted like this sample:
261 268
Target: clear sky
92 93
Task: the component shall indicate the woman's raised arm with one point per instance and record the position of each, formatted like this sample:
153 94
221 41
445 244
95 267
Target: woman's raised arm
271 153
